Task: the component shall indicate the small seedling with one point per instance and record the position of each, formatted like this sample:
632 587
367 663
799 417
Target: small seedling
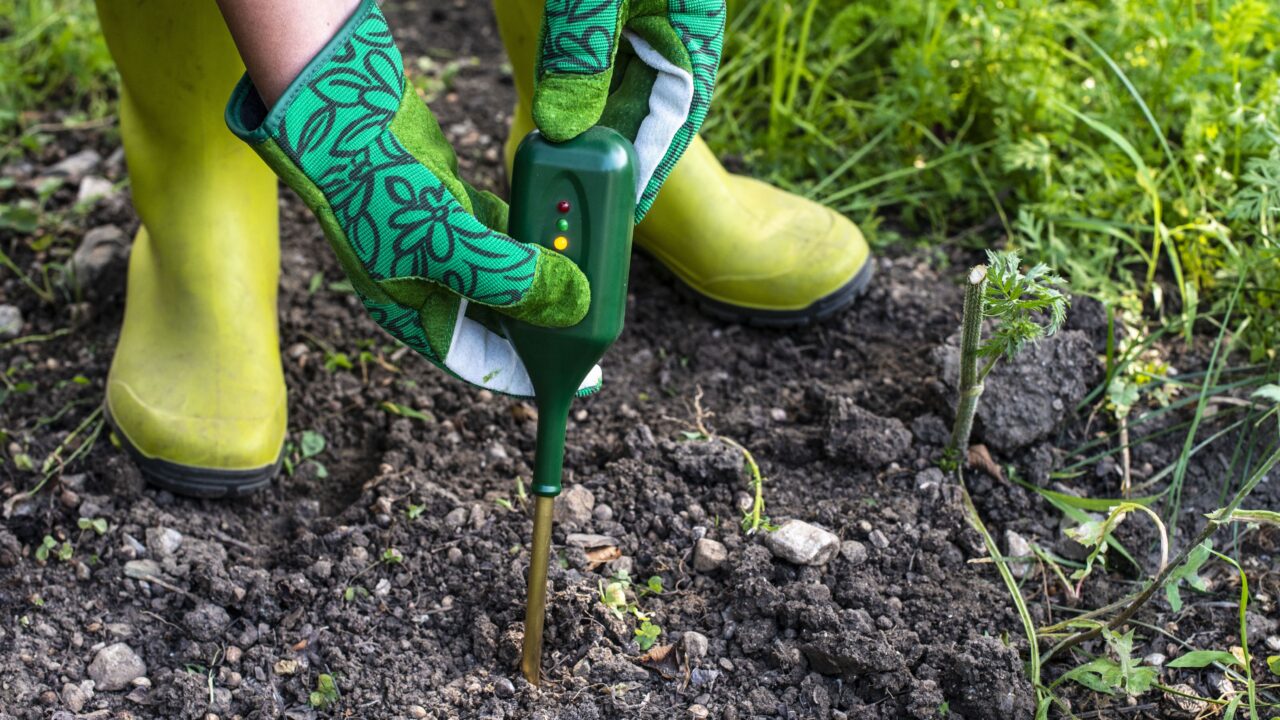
1108 676
326 692
392 556
406 411
98 525
1025 308
647 634
310 444
337 360
413 512
653 586
48 546
504 503
354 591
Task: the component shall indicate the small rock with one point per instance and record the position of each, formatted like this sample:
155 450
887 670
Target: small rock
102 253
163 542
624 564
115 666
708 555
575 506
142 569
879 539
10 322
322 569
234 654
1018 551
286 666
417 711
456 517
503 688
602 513
853 551
1273 642
74 167
582 668
698 712
1155 659
75 696
454 556
777 414
588 540
94 188
803 544
695 645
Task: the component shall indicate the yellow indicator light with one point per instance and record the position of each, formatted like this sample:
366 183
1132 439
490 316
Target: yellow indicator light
561 243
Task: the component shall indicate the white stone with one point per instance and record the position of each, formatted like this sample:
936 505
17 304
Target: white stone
802 543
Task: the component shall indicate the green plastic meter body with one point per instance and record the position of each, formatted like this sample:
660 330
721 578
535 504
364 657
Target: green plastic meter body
576 198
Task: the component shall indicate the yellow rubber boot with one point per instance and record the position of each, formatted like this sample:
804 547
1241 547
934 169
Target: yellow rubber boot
196 391
749 251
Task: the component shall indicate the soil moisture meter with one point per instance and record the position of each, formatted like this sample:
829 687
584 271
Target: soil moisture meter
576 198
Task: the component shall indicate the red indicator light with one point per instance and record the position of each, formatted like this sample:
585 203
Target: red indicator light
563 206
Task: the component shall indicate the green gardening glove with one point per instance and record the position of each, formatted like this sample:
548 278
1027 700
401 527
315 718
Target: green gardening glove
645 68
422 249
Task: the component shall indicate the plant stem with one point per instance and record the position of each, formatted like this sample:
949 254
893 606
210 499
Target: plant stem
970 380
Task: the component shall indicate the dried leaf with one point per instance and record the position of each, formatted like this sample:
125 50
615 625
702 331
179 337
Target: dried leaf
980 459
663 659
600 556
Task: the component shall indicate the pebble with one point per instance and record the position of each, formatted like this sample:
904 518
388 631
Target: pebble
142 569
322 569
879 539
695 645
801 543
297 350
1155 659
456 517
115 666
1273 642
74 167
102 250
698 712
94 188
75 696
503 688
454 556
10 322
417 711
602 513
708 555
575 506
234 654
163 542
582 668
778 415
589 540
1016 546
853 551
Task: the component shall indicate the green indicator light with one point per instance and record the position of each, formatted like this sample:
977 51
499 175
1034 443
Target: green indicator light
562 224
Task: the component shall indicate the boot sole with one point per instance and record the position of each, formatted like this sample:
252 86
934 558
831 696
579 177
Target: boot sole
820 310
196 482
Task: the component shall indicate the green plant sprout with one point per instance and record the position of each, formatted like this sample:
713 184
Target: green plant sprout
753 520
1025 307
413 512
98 525
616 595
1104 675
647 634
326 693
49 545
392 556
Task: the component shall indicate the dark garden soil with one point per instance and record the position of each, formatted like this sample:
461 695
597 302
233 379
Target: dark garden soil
244 603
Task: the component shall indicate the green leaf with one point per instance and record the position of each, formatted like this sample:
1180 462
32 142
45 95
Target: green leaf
404 411
42 550
1273 664
414 511
392 556
98 525
1268 392
65 551
1204 658
317 279
647 634
655 584
1188 572
1262 517
311 444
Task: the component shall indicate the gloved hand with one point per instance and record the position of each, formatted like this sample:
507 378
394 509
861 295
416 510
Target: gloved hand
645 68
422 249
